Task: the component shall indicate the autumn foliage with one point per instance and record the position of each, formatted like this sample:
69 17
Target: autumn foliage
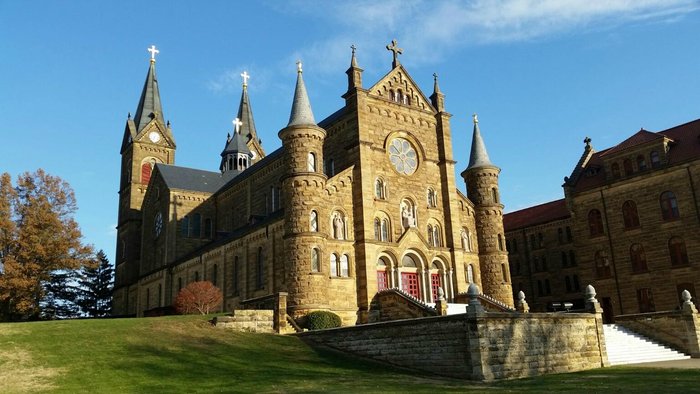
200 297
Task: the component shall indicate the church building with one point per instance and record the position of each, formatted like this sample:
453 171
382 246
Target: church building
361 201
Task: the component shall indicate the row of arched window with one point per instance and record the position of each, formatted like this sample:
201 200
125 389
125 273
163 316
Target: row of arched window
678 257
381 192
339 265
191 226
630 216
399 96
640 161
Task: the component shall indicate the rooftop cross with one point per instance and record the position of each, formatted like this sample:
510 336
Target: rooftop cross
153 51
397 51
587 141
299 66
245 77
237 125
353 47
476 119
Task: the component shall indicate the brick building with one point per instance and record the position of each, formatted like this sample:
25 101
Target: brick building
363 200
629 224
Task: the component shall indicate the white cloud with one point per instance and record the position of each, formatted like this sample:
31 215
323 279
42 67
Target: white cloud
261 77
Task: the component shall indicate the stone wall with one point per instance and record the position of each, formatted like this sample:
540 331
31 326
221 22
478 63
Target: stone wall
485 346
260 321
676 329
393 304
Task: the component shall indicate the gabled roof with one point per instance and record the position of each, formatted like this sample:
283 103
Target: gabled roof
410 82
184 178
640 137
539 214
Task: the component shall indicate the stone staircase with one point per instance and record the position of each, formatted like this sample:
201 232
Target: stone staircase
627 347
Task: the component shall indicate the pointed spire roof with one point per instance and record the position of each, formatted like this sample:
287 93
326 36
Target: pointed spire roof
478 157
245 112
301 107
236 143
149 105
436 87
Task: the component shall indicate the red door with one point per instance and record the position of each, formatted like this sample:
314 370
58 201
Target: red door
409 283
434 284
381 280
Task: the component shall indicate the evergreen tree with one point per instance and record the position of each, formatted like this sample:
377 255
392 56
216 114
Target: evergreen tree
96 285
61 295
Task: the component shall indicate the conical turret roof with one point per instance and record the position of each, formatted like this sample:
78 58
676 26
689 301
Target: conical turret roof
301 107
149 105
245 114
478 157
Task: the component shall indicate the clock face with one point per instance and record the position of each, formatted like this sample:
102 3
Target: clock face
403 156
153 136
158 224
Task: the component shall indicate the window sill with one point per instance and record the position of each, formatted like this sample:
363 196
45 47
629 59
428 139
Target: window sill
342 277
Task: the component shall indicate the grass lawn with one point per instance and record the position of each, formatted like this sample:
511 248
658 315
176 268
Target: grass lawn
185 354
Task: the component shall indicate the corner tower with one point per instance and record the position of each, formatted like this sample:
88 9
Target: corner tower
302 185
147 140
481 177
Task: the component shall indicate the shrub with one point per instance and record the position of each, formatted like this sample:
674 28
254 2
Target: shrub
319 320
200 297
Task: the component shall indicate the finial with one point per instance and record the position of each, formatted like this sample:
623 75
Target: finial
587 141
396 50
228 137
353 60
128 116
299 66
475 118
245 77
153 51
168 124
237 125
435 77
353 47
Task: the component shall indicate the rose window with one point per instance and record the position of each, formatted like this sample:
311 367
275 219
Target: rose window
402 156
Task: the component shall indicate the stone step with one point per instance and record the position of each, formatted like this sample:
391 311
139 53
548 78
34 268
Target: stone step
626 347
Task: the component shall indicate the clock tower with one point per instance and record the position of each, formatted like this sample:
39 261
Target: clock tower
147 140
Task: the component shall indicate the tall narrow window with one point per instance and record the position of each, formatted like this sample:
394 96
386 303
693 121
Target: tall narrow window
627 165
334 264
629 214
197 225
677 251
572 258
260 270
432 198
615 168
645 300
146 169
540 240
379 189
311 161
315 258
385 230
494 195
567 280
638 258
186 226
214 274
602 265
655 159
470 274
236 270
330 168
273 199
564 260
569 237
595 223
500 242
207 228
179 284
344 266
377 229
669 206
313 221
641 163
560 235
504 272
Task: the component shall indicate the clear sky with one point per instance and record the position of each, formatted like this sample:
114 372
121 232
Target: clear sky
542 75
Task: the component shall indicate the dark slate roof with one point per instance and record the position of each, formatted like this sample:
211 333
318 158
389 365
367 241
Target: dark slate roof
236 144
245 114
478 157
149 104
539 214
191 179
301 107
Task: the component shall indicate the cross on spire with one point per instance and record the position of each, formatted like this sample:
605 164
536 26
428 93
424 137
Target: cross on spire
237 125
476 119
299 66
245 77
353 47
587 141
396 50
153 51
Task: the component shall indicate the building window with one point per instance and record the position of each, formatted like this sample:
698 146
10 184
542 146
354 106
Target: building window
641 163
677 251
595 223
547 287
568 284
380 189
568 234
385 230
196 276
504 272
207 228
540 240
214 274
431 241
146 169
560 235
382 279
330 167
645 300
315 260
311 162
655 160
615 170
470 274
273 199
572 258
564 261
533 242
197 225
540 289
638 258
334 264
179 284
629 214
313 221
432 198
577 287
494 195
236 270
377 229
536 264
500 243
344 266
627 165
669 206
260 270
602 265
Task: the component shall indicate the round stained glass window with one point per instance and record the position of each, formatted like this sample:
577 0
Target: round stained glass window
402 156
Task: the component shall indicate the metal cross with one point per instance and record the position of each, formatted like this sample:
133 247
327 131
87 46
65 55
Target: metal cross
476 119
397 51
353 47
245 77
237 125
153 51
298 65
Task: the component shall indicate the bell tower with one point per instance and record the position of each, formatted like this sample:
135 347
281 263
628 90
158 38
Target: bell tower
147 140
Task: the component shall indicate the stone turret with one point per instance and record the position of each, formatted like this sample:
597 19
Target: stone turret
481 177
302 185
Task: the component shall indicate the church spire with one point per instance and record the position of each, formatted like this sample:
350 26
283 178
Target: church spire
301 107
236 154
479 157
437 98
149 107
245 112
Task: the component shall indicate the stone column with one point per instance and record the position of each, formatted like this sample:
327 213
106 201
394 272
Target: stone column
692 323
592 306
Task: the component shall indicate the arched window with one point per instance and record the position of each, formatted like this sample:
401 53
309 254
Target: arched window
500 242
595 223
379 189
315 260
494 195
431 241
677 251
260 270
641 163
392 95
399 96
230 163
377 229
669 206
629 214
615 170
638 258
385 230
344 266
311 162
146 169
602 265
432 198
437 236
627 165
313 221
655 160
470 274
334 264
186 226
197 225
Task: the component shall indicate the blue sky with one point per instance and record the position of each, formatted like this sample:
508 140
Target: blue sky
542 75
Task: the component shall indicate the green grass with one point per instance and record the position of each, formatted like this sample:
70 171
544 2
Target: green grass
185 354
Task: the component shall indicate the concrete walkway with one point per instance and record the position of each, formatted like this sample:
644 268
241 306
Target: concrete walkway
693 363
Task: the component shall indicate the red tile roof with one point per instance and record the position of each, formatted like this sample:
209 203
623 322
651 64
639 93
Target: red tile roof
539 214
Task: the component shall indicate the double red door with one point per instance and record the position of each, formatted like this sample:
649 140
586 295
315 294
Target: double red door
409 283
381 280
434 285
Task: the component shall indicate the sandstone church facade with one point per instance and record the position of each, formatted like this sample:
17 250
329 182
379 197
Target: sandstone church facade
361 201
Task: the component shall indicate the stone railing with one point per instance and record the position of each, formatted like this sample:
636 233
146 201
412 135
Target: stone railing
396 304
276 302
678 329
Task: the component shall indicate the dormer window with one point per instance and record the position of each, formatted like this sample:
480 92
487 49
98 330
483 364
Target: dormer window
655 160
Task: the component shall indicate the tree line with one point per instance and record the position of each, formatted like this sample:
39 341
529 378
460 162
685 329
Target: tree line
46 272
